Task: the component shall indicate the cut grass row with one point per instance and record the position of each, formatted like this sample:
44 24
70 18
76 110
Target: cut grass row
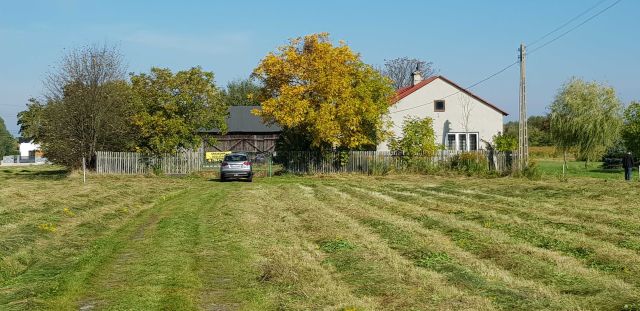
122 243
321 243
536 264
541 232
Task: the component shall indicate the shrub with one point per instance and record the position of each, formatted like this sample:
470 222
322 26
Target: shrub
470 162
613 156
532 171
418 138
505 142
378 169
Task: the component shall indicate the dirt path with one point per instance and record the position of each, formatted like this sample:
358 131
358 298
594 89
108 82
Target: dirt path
172 259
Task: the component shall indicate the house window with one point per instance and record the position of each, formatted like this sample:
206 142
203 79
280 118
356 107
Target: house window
451 141
438 106
473 141
462 142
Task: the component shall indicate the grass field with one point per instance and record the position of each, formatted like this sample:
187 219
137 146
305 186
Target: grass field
551 167
317 243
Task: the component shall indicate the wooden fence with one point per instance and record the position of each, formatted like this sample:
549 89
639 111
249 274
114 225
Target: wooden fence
309 162
179 163
375 162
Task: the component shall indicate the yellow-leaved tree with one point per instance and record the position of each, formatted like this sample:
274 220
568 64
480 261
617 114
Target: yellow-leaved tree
324 93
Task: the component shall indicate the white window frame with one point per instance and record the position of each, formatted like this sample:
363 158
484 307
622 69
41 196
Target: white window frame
455 141
467 145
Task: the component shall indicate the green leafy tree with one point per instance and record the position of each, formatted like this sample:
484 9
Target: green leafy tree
631 128
324 92
8 144
539 130
242 93
504 142
171 108
86 108
418 138
511 128
86 120
31 121
585 118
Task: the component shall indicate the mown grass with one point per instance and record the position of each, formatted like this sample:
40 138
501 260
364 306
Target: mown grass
552 167
316 243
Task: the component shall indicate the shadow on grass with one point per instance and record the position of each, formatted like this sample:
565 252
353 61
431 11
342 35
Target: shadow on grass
606 170
36 173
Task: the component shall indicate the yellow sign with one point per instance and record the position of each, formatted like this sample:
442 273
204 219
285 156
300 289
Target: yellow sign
215 156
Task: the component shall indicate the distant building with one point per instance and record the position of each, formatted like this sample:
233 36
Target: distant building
245 133
461 119
30 153
28 148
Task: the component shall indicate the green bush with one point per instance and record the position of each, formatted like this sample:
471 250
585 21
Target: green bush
532 171
505 142
470 162
379 169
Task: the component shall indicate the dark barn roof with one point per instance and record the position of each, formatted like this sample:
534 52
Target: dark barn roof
241 120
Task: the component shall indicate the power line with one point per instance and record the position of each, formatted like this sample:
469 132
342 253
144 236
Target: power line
464 89
534 50
575 27
565 24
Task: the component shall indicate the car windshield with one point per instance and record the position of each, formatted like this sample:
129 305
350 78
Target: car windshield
235 157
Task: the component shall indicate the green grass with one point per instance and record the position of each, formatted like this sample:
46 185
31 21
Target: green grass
553 168
308 243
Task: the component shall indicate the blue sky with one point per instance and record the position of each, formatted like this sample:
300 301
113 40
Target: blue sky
466 40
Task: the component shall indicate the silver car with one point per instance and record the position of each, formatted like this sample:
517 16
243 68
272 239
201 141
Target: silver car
236 166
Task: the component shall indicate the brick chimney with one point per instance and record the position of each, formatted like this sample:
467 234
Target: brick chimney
417 76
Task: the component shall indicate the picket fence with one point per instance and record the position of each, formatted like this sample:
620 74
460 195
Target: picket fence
372 162
309 162
178 163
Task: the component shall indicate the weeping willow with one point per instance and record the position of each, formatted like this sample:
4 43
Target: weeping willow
586 118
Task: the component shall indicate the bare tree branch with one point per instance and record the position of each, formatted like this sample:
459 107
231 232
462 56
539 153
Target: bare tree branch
400 69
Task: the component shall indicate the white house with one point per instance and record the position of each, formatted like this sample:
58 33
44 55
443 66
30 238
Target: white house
461 119
28 148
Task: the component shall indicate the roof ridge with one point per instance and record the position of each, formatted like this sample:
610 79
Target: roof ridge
402 93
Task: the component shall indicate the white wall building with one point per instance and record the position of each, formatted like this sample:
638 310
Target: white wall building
433 98
25 148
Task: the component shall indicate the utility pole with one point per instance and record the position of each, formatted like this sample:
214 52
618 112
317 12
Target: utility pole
523 135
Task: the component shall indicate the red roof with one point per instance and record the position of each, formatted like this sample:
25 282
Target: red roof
406 91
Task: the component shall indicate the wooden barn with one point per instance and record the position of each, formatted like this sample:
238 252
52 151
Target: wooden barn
245 133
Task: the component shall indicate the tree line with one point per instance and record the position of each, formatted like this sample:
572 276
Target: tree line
586 120
8 144
90 104
323 95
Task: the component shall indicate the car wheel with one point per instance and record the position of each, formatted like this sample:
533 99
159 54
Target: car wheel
222 179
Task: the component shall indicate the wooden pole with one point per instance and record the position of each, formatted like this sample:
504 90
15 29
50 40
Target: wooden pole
84 171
